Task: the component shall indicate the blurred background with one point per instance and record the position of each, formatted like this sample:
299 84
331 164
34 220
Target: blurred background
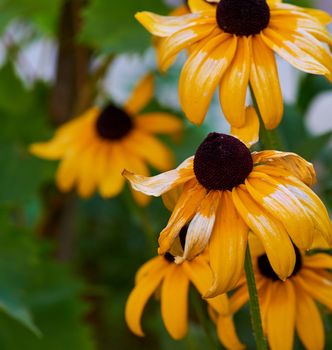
67 265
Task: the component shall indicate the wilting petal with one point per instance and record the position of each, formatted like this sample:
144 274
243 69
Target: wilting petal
159 184
265 83
159 123
141 95
283 205
234 84
171 197
202 73
291 162
248 133
309 323
200 227
270 231
169 47
199 273
318 261
186 207
227 247
292 50
227 334
167 25
174 302
138 299
281 316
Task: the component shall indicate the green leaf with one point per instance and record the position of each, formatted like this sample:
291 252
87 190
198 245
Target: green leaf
111 27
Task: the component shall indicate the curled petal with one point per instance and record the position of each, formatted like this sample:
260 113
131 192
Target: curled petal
159 184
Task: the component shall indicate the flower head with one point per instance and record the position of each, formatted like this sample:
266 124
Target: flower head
231 44
227 191
95 147
289 305
171 281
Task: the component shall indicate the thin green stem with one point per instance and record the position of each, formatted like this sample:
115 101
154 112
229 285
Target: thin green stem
256 321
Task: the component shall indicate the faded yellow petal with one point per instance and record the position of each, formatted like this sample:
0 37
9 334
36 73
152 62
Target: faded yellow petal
234 84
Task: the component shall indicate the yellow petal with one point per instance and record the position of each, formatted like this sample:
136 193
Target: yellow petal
239 298
265 83
202 73
67 173
291 162
174 302
200 5
282 204
151 267
171 197
227 334
227 247
318 261
159 184
234 84
53 149
168 48
141 95
164 26
159 123
269 230
294 50
200 227
149 148
248 133
281 316
138 299
186 207
309 323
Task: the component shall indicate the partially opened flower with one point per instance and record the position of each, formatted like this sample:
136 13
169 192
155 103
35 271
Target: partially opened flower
227 191
232 43
95 147
289 305
171 282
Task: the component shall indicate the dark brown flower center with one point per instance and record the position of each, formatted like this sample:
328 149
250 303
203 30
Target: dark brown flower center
182 235
243 17
113 123
266 269
222 162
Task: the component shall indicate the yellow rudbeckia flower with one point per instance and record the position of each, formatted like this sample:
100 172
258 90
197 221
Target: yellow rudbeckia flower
171 282
95 147
228 191
289 305
232 44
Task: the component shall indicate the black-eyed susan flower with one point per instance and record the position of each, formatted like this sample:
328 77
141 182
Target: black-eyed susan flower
95 147
232 44
227 191
291 304
170 281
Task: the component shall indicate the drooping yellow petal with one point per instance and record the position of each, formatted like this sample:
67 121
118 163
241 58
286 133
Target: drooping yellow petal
318 261
186 207
174 302
227 334
171 197
248 133
164 26
200 227
264 294
67 172
199 273
200 5
291 162
159 123
281 316
293 50
234 84
227 247
159 184
138 299
151 267
149 148
53 149
270 231
265 83
239 298
282 204
202 73
309 323
168 48
112 184
141 95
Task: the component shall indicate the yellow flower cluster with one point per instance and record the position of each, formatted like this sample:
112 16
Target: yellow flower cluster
224 200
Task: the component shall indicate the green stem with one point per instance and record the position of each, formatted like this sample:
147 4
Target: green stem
269 139
256 321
